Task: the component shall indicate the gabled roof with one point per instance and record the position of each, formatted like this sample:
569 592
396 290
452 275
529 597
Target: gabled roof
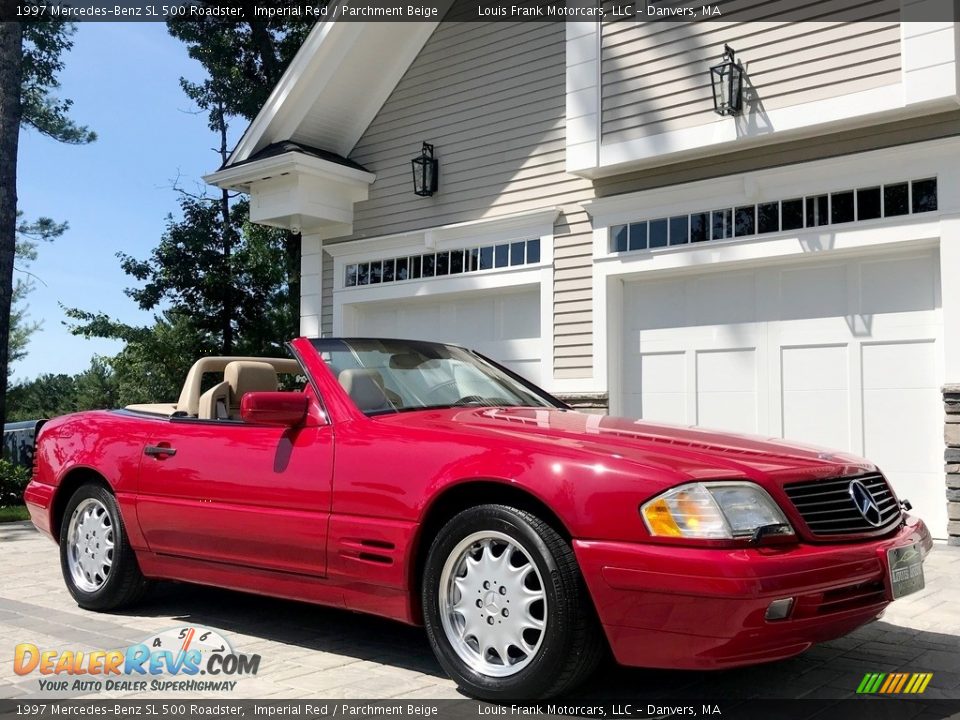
334 87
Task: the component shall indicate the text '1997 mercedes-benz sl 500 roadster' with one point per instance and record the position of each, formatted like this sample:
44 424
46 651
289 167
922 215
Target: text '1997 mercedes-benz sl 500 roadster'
425 483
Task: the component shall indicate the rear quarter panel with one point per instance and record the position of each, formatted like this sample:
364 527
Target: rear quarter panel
76 447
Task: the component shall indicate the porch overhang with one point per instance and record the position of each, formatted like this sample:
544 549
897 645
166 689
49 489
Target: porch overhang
298 192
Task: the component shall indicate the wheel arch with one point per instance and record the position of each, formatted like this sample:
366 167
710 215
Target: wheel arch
71 480
458 497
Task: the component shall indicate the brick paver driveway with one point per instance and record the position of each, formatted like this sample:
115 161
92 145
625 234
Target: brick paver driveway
320 653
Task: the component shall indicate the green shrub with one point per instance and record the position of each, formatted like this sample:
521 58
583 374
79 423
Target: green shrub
13 481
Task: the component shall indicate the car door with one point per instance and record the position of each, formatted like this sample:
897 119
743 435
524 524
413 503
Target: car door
232 492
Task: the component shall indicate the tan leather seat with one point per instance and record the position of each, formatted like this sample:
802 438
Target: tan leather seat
215 403
365 388
244 376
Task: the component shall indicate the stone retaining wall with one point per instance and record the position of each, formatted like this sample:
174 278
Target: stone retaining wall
951 436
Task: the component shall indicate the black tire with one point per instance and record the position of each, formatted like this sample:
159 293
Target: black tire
124 584
572 643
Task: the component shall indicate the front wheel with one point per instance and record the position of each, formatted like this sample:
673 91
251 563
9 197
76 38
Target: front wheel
98 564
505 606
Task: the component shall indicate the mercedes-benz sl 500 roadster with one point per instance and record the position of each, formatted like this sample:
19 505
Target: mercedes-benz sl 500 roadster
425 483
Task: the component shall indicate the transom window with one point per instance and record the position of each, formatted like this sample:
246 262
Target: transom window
447 262
869 203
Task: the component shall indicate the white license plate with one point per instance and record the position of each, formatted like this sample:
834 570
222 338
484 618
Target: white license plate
906 569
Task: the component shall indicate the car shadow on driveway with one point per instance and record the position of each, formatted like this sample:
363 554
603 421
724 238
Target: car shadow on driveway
293 624
831 670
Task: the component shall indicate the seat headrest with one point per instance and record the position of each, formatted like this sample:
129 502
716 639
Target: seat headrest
365 388
245 376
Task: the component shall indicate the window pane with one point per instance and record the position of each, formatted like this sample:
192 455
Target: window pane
474 259
817 211
768 217
699 227
745 221
388 267
638 236
896 200
516 253
415 262
376 272
351 275
533 251
792 214
502 255
868 203
429 265
618 238
443 263
658 233
363 274
456 262
486 257
925 195
841 207
402 264
722 227
680 230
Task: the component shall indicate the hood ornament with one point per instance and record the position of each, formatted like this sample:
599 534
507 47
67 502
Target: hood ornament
864 502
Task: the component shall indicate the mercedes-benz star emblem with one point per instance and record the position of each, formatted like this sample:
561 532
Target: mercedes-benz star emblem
865 503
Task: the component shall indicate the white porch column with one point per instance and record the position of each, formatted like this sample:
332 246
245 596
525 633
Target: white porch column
311 270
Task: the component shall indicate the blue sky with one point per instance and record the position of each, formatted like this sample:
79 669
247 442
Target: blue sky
115 193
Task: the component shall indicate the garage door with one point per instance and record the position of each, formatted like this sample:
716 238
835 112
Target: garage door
842 354
504 326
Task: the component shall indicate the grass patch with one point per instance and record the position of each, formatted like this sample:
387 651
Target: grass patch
13 513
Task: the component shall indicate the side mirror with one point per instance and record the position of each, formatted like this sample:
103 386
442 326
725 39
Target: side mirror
274 408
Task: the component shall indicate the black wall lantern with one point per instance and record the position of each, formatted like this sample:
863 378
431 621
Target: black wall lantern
425 171
727 80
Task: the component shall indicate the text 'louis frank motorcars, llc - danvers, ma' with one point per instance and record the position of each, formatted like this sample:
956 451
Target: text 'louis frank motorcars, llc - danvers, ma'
425 483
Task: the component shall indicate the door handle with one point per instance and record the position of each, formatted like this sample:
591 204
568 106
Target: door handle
159 451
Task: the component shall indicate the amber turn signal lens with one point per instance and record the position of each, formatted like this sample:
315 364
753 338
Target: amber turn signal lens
660 519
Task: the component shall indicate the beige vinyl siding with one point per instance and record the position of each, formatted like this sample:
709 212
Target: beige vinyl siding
655 75
500 138
326 296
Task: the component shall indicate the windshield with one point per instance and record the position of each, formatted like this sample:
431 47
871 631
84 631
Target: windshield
387 376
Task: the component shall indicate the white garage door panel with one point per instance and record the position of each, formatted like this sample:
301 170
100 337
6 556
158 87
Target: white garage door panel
844 354
727 389
813 379
504 327
663 393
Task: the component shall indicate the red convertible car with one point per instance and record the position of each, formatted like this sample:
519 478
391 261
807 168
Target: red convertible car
425 483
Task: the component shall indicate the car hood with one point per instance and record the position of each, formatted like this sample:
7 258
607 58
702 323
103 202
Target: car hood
685 452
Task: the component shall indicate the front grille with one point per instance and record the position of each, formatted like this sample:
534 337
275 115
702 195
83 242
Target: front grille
828 509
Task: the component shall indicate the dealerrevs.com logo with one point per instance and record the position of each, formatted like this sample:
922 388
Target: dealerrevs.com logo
182 659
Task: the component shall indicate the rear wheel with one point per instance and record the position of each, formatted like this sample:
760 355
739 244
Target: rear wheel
505 606
98 564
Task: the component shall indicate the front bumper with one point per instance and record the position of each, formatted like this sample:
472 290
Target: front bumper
698 608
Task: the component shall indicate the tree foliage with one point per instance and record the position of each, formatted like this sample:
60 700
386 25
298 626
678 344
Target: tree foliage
243 60
31 58
190 287
44 46
216 283
29 236
50 395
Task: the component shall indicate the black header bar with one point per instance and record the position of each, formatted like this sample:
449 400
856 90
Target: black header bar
484 10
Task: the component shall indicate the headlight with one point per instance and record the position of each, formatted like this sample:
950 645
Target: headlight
713 511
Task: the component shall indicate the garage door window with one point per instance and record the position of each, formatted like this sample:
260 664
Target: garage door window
448 262
847 206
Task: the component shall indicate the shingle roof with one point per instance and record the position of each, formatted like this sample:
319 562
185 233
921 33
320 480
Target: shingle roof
286 146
